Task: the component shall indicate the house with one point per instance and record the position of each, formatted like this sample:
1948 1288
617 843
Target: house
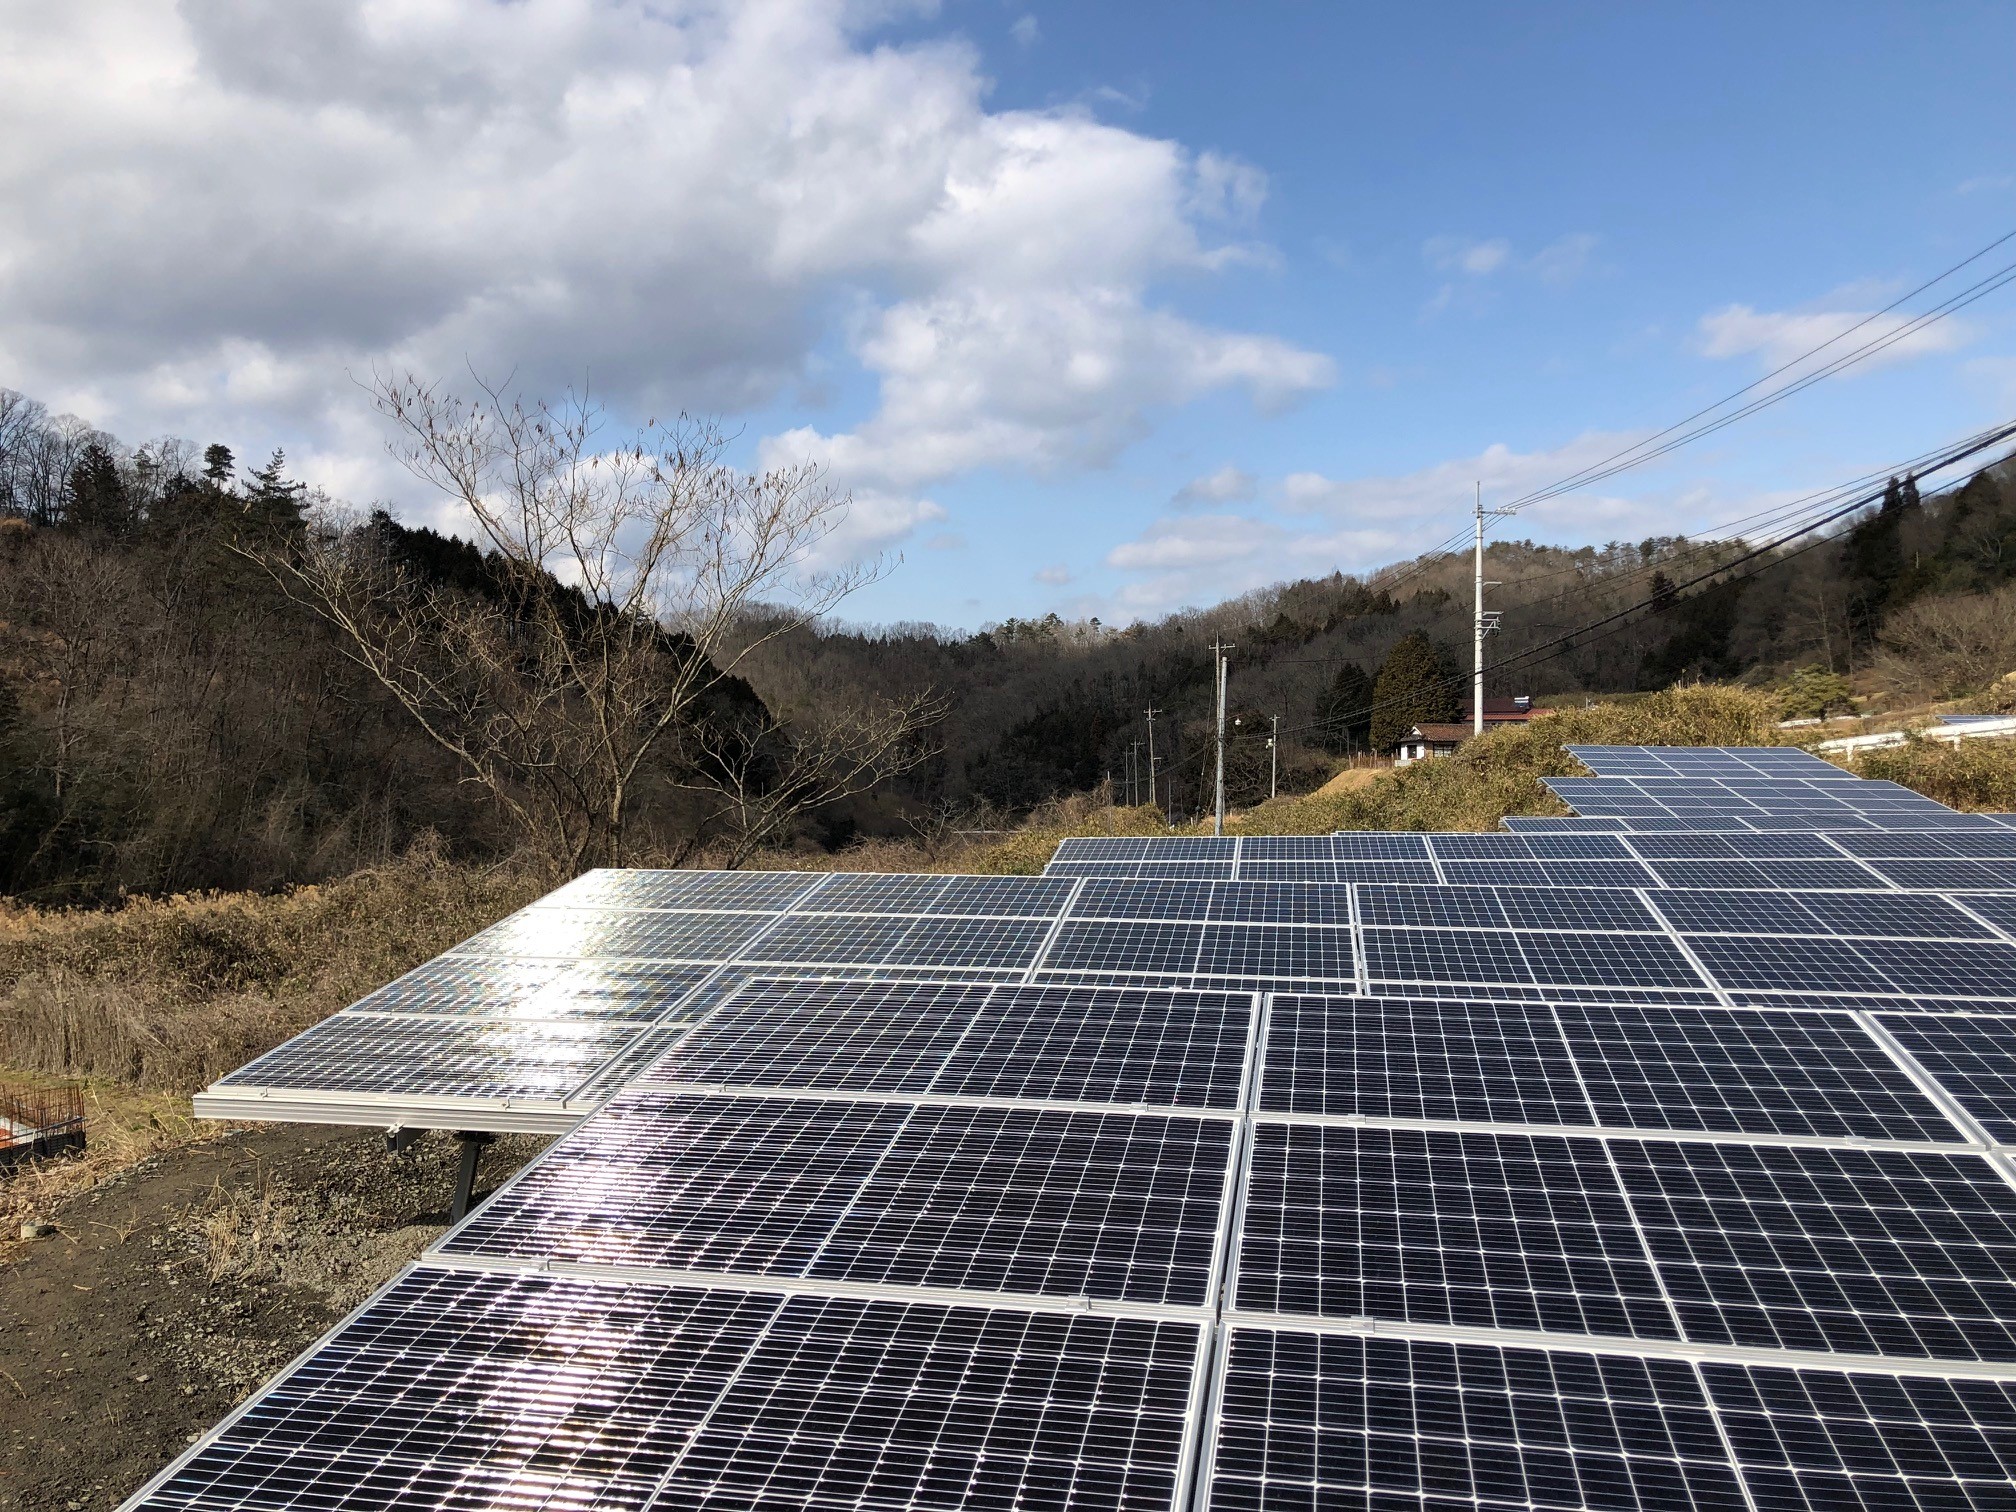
1427 740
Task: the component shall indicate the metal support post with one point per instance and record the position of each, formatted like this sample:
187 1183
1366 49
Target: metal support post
472 1142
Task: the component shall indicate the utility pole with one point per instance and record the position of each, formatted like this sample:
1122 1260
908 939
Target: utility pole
1477 627
1274 759
1481 626
1218 650
1130 774
1151 754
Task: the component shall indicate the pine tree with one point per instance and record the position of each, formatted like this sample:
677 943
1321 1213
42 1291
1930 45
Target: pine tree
217 463
273 503
1414 685
1347 712
94 497
1663 593
1893 497
1910 494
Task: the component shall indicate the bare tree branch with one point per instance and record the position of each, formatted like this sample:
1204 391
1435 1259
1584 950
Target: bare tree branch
620 596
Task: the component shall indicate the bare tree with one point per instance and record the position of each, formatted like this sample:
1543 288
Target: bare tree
759 772
1950 646
603 640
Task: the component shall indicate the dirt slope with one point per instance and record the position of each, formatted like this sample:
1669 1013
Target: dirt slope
172 1291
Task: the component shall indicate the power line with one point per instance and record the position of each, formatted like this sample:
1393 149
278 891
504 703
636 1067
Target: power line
1636 454
1560 645
1597 471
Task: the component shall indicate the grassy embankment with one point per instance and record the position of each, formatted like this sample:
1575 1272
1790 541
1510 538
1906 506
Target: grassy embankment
151 1001
146 1003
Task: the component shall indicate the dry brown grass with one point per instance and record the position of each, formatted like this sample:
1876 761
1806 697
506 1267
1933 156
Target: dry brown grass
1977 776
167 994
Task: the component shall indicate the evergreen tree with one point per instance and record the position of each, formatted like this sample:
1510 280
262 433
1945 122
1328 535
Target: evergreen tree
1893 497
1415 685
217 463
1347 711
1910 494
273 503
94 497
1663 593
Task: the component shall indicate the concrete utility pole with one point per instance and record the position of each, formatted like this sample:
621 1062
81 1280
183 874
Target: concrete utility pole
1218 650
1481 626
1151 754
1274 759
1477 627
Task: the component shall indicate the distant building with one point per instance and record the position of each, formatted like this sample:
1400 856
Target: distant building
1427 740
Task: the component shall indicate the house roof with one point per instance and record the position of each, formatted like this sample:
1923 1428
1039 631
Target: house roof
1441 734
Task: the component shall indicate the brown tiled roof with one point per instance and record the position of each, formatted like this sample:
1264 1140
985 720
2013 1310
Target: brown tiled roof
1443 734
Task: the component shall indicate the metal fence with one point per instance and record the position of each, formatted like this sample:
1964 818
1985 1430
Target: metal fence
39 1121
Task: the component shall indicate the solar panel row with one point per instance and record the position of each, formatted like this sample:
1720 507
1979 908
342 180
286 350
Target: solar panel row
1557 1222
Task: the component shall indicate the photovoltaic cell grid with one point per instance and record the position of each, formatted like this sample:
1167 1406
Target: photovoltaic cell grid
556 1006
1728 1172
1002 1151
464 1390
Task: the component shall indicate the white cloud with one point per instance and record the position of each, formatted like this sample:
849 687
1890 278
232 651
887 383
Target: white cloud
217 210
1322 525
1026 31
1228 485
1057 574
1780 337
1563 261
1461 254
1471 262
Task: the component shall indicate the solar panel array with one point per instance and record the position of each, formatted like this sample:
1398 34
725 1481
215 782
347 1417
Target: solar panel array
1155 1182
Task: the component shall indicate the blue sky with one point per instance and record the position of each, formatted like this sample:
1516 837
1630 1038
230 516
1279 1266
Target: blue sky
1097 309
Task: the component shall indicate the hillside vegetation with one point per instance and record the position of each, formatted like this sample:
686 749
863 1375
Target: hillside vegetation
174 720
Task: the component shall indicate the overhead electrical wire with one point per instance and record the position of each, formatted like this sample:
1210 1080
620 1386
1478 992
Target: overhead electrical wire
1637 453
1598 473
1562 644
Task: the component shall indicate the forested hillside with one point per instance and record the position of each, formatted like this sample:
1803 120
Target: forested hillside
172 717
1047 706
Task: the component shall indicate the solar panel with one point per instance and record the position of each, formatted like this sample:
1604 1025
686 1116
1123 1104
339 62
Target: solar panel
1399 1059
1812 1439
1480 1230
1074 1204
1759 1072
1650 1163
1069 1044
1311 1421
1860 1251
459 1389
1973 1059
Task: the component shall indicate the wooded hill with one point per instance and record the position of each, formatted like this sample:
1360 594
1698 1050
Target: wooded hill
170 719
1047 706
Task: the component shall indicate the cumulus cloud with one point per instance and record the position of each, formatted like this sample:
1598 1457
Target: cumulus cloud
1056 575
1782 336
220 208
1228 485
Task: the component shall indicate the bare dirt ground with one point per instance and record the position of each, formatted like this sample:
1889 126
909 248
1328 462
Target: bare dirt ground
171 1291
